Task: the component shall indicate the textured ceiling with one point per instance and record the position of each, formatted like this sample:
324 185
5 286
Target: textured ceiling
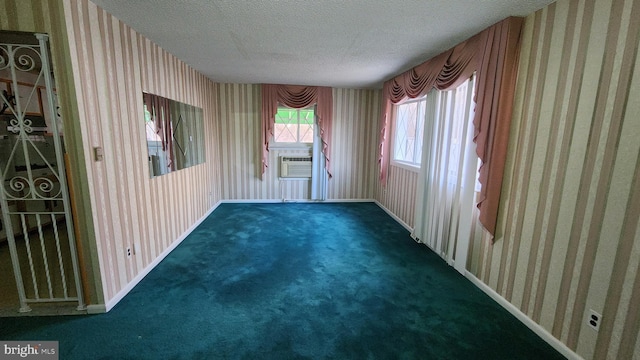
338 43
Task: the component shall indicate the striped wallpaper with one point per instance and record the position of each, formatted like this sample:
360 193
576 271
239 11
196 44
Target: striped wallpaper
112 66
568 240
399 195
354 143
354 147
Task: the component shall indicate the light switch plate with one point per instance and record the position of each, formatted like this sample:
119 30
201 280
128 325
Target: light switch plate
97 153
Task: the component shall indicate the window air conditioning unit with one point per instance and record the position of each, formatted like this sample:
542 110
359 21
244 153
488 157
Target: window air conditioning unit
295 167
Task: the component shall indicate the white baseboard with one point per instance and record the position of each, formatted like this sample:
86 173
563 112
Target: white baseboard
349 201
535 327
396 218
251 201
95 309
274 201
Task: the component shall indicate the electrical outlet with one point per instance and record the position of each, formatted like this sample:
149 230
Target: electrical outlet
594 319
128 252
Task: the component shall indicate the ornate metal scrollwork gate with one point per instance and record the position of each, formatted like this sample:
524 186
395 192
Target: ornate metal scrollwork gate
36 210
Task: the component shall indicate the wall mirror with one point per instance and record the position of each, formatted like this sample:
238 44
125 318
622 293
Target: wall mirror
174 132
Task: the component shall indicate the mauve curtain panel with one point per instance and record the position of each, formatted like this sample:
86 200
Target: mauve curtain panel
493 56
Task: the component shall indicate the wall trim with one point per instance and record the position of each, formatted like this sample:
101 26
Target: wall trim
252 201
274 201
96 309
535 327
395 217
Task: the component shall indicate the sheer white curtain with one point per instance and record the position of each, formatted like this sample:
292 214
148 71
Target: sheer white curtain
319 174
446 185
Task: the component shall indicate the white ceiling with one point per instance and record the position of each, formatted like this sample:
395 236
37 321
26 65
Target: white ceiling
337 43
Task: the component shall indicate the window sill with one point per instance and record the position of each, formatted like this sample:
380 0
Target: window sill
293 178
273 146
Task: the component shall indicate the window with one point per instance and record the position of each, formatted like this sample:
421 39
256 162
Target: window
294 126
408 131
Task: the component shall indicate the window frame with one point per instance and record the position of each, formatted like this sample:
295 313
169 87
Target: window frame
293 145
411 166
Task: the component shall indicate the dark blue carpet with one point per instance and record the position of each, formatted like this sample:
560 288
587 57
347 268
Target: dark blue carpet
295 281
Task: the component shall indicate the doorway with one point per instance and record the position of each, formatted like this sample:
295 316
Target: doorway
36 227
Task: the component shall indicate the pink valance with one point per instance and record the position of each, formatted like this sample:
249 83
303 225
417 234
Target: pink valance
493 56
297 97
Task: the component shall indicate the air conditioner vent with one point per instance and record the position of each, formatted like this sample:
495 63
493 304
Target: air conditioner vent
295 166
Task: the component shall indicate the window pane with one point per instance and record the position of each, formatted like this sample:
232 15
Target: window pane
306 125
409 122
293 126
286 126
306 133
